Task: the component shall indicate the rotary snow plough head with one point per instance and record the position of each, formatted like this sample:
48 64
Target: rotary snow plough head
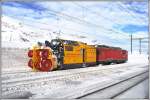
41 59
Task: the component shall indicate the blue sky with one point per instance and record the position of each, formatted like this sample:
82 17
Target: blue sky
107 22
131 28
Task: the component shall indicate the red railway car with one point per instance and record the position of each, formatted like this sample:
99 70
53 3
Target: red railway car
108 55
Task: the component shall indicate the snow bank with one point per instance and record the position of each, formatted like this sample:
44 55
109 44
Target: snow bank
138 58
16 44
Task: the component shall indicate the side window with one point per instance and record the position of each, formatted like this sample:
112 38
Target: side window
98 51
81 51
123 52
69 48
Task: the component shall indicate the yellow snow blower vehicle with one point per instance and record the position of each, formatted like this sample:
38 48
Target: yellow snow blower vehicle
61 54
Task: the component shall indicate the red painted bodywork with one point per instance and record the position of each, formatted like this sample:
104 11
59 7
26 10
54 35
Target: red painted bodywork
106 54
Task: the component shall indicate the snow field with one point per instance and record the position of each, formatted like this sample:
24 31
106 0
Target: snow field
90 83
62 81
17 76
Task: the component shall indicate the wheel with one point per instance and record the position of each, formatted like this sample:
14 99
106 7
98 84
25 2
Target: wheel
118 62
60 62
84 65
60 66
106 63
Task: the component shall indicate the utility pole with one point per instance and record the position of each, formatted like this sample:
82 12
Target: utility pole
140 45
140 42
10 37
149 33
131 43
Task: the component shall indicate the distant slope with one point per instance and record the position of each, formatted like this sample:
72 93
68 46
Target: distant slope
17 34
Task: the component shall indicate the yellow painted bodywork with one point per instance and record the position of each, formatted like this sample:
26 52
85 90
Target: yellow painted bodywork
79 53
76 56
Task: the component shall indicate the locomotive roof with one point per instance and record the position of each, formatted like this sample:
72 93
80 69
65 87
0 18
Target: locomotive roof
68 41
78 42
105 46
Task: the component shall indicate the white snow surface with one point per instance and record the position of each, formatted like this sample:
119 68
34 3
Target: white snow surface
50 89
134 93
19 34
138 58
16 34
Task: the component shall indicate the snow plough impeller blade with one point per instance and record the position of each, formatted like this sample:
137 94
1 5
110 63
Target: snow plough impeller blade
42 59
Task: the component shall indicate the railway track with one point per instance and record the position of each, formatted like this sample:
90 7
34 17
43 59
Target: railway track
26 76
22 74
13 71
34 80
116 89
86 89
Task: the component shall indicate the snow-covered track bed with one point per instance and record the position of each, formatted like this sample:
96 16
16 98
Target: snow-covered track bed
36 80
15 75
9 73
21 77
102 83
115 89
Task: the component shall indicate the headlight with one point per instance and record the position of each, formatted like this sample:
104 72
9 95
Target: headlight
54 42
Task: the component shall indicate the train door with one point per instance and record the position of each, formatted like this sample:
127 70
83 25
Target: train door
84 57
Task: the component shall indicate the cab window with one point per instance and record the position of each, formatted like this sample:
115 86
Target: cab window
68 48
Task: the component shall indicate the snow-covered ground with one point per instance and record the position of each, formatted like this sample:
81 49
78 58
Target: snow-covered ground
138 58
18 34
58 82
139 91
14 59
65 86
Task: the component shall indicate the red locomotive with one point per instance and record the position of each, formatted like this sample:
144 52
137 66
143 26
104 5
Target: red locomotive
108 55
